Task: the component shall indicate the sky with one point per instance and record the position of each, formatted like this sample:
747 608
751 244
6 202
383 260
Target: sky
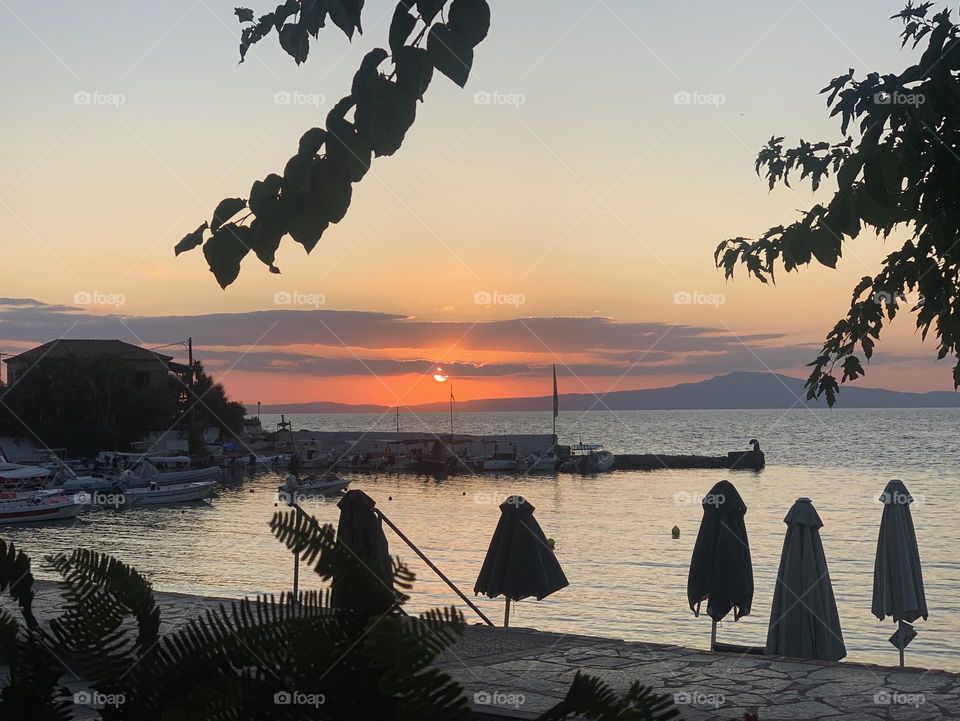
562 209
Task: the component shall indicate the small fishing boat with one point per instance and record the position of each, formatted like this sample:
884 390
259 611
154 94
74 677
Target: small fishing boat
155 494
36 508
500 463
329 483
540 462
16 477
144 472
589 458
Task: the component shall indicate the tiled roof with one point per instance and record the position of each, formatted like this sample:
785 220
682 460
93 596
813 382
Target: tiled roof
87 349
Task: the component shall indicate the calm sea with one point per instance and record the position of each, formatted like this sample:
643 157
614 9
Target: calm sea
612 532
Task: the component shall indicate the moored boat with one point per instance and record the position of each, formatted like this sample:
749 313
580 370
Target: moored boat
589 458
326 484
144 473
501 463
542 462
155 494
36 508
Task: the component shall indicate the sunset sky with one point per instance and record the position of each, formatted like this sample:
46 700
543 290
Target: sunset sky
550 213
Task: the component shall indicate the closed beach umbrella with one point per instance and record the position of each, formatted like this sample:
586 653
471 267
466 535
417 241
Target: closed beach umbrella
803 620
361 531
520 562
897 577
721 572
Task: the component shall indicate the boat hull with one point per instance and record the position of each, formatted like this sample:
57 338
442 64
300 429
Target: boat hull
169 494
38 510
172 478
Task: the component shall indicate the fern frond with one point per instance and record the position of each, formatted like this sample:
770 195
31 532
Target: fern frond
17 578
589 697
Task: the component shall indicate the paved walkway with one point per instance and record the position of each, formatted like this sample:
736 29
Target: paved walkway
519 673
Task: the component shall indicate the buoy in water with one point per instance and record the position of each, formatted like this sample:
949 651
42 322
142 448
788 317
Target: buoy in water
675 532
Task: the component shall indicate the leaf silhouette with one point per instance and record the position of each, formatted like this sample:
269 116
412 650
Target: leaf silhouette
190 240
450 53
226 209
224 250
470 19
295 40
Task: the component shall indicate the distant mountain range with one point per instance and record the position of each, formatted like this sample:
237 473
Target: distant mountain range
731 391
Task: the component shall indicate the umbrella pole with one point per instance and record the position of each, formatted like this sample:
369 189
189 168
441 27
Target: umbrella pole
900 631
506 614
296 577
713 635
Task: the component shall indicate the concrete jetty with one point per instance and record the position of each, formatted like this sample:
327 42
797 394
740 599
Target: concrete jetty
346 444
517 674
735 460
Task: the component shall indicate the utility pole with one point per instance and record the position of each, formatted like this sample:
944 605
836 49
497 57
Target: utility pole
190 359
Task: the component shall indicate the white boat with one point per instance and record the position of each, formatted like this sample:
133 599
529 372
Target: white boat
36 508
66 481
589 458
500 463
155 494
15 477
145 472
329 483
540 462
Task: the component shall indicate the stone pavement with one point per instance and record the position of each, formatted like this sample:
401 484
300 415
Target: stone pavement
519 673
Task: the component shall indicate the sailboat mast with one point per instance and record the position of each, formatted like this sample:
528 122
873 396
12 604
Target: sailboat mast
556 403
398 419
451 412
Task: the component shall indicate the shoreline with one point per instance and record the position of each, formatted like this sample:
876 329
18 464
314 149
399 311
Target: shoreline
518 673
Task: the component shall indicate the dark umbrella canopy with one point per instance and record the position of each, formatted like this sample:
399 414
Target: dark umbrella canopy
519 562
361 531
721 571
804 622
897 578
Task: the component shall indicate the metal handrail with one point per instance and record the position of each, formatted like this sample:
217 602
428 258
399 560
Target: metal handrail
296 556
403 537
432 566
